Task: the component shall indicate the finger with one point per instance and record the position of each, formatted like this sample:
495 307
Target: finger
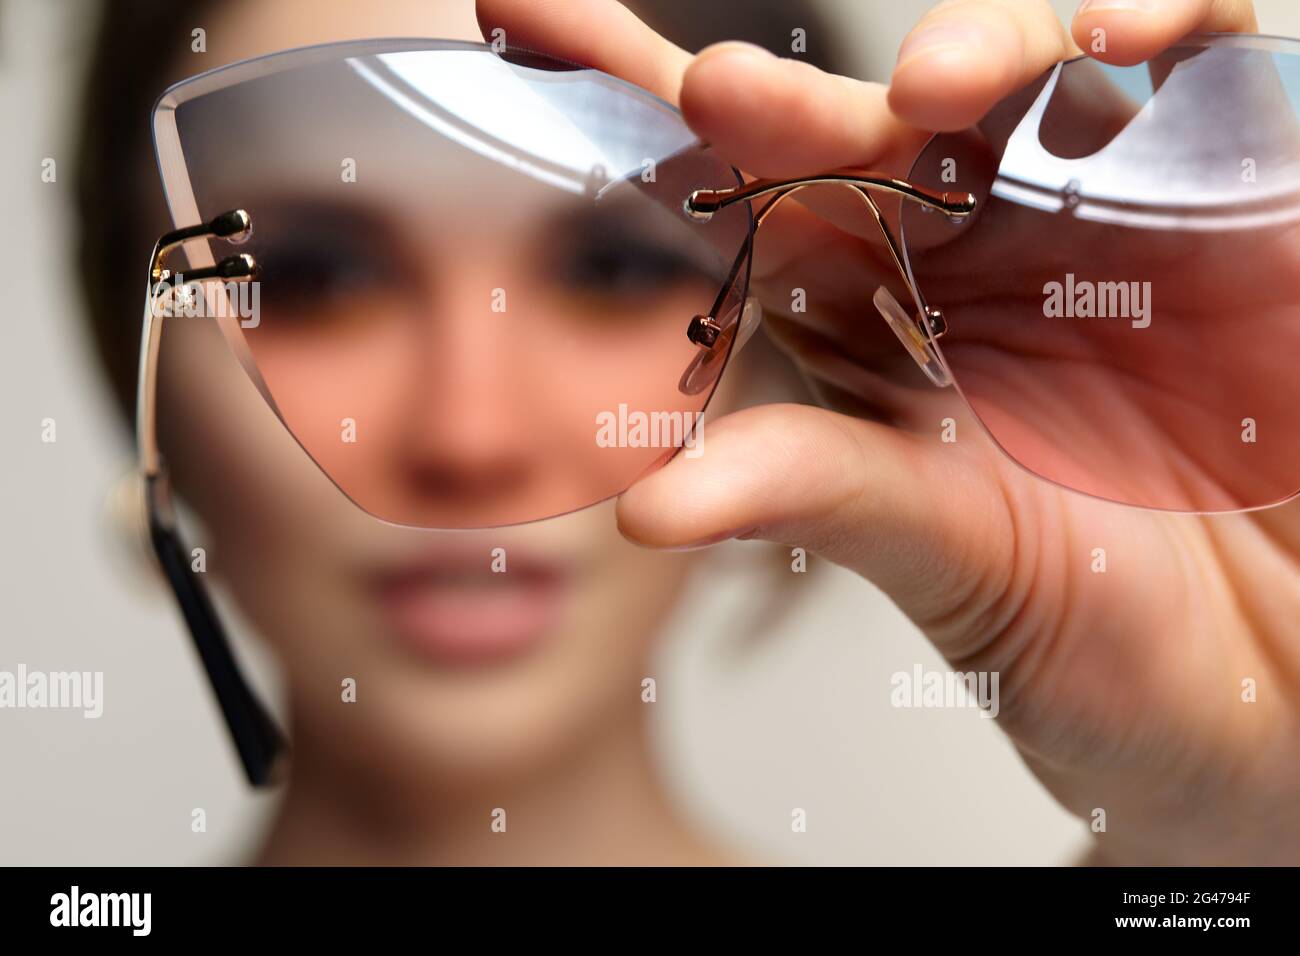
602 34
1125 32
777 117
965 56
924 520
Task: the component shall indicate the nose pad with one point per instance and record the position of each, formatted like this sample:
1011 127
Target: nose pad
707 365
751 317
913 340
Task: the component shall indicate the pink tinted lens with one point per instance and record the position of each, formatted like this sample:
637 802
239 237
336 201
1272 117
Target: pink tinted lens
1124 310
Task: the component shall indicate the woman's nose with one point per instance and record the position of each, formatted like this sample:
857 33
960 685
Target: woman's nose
473 435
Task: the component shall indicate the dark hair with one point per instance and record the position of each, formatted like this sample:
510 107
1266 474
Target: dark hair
135 57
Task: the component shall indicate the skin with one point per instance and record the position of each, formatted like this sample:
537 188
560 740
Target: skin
1121 691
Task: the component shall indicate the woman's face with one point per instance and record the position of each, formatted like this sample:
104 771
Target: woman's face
476 653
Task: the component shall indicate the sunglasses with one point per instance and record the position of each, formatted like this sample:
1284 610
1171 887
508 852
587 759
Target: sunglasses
444 263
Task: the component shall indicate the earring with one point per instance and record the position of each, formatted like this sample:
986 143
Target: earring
126 525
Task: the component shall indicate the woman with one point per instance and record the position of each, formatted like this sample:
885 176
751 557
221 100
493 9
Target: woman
483 700
1122 696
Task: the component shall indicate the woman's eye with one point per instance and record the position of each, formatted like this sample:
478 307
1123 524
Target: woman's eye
307 272
625 268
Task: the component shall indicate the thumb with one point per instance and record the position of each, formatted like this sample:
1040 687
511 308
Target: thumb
926 521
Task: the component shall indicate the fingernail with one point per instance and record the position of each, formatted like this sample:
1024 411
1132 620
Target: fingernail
742 48
712 540
934 38
1100 6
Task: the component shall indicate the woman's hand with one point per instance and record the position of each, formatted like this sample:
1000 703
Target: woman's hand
1123 691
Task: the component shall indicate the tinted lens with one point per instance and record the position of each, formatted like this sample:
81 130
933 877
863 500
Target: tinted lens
477 274
1124 310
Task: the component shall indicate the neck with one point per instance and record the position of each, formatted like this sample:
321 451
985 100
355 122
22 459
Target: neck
602 803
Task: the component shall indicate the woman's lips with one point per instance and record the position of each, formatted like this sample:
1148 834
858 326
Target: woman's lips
459 611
